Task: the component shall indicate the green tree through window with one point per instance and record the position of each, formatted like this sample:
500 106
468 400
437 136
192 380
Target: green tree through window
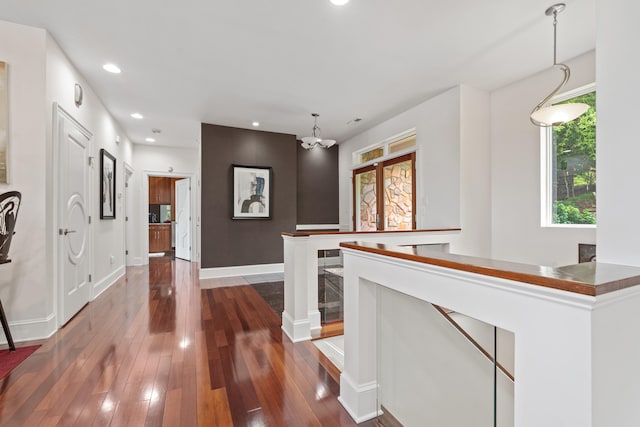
573 173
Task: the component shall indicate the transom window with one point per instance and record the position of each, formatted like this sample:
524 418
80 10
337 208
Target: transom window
394 146
570 193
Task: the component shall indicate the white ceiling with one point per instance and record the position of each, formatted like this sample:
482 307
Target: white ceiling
277 61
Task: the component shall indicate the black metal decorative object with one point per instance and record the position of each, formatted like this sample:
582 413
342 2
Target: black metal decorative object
9 205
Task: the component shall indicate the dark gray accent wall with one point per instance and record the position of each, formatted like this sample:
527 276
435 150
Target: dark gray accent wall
228 242
318 185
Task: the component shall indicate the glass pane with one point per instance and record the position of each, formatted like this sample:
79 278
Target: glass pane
573 171
429 373
366 206
372 154
403 144
398 196
330 290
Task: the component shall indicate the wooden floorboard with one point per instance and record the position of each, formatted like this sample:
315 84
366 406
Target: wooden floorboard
155 350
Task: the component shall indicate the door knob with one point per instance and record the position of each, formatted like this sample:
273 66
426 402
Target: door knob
68 231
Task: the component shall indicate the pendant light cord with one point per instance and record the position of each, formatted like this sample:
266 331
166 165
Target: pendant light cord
555 25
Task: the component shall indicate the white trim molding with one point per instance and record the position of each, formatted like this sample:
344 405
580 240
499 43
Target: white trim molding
32 329
108 281
307 227
240 270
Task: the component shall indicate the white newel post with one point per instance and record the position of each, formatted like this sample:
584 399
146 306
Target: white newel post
358 386
295 318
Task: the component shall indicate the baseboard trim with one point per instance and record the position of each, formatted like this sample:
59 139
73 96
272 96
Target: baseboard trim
306 227
32 329
359 400
240 270
296 330
108 281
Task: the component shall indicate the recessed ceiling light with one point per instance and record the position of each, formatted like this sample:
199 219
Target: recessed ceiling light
112 68
150 139
256 124
339 2
137 116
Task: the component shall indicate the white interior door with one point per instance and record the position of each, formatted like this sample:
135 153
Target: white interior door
183 219
74 228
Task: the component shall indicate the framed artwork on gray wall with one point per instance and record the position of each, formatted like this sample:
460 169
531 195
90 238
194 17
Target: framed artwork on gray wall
4 125
107 185
251 192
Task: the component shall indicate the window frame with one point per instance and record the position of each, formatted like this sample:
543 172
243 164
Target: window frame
356 156
546 164
379 166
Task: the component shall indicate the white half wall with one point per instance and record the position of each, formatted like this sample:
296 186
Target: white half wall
517 234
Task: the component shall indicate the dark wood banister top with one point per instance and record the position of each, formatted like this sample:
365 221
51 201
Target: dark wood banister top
319 232
591 278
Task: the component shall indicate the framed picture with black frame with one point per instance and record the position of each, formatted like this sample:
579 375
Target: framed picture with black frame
107 185
252 192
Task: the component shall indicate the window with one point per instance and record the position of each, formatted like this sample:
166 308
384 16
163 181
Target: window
571 165
396 145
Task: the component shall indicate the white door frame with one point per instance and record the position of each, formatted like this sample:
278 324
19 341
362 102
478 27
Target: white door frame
58 169
128 178
144 204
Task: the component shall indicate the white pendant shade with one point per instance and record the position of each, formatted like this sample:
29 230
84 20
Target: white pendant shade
326 143
309 142
556 115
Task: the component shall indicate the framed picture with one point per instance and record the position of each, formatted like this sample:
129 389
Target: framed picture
251 192
4 125
107 185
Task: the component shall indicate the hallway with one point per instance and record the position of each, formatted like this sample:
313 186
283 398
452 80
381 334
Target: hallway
156 350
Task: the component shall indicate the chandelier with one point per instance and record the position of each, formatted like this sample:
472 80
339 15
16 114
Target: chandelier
308 142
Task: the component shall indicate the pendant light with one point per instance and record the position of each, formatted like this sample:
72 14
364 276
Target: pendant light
308 142
544 115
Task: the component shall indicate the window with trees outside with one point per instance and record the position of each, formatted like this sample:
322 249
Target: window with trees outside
571 166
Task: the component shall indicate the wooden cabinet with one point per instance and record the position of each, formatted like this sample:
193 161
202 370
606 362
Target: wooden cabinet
160 190
159 237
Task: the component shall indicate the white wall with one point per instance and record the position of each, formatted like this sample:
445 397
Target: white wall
25 285
108 235
39 76
437 160
452 165
618 149
428 371
162 161
475 171
515 163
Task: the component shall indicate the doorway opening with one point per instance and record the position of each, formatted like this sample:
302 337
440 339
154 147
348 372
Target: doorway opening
169 217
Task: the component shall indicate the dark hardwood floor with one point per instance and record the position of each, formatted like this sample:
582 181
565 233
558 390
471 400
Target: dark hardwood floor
156 350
